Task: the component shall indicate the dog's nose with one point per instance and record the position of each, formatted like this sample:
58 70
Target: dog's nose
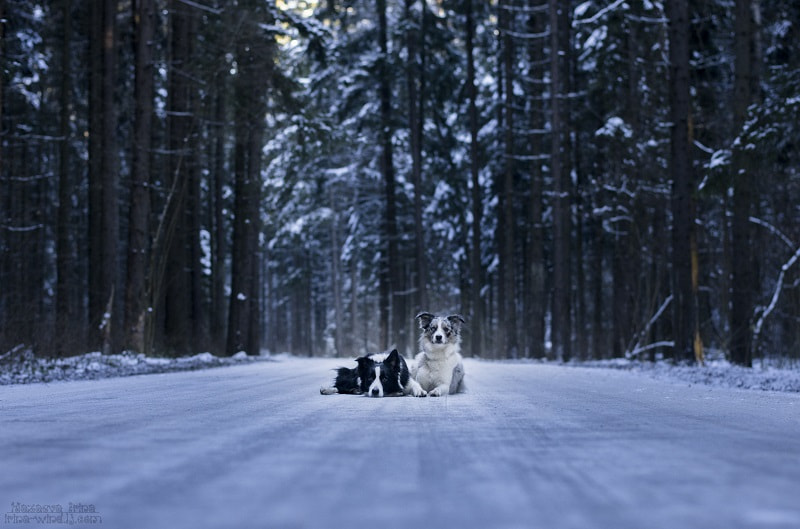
375 392
438 338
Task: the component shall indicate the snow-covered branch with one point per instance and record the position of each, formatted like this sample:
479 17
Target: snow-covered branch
774 230
596 16
775 295
525 35
655 345
636 349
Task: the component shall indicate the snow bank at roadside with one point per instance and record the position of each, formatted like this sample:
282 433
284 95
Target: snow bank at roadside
21 366
719 373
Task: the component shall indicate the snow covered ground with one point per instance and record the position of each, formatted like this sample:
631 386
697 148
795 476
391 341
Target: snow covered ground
20 366
529 446
715 372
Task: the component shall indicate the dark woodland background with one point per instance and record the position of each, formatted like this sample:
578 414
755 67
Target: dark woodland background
578 179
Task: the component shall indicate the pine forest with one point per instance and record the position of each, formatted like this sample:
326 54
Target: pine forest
578 180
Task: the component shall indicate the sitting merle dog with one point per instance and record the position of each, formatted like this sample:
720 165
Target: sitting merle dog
439 367
376 375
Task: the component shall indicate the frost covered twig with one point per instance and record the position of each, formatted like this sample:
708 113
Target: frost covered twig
636 349
597 15
639 350
774 230
775 295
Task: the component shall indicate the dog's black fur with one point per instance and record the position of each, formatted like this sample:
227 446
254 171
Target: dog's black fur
390 370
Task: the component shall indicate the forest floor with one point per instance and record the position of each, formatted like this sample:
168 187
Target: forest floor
529 445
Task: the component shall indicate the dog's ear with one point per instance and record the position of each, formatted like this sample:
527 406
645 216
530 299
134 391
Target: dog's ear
364 362
393 359
424 319
456 321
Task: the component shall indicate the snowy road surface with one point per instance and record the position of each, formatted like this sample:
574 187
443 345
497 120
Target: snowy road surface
530 446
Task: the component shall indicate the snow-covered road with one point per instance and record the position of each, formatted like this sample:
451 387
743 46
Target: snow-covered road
530 446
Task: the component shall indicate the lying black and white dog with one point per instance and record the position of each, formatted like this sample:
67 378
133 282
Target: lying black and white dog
438 367
376 375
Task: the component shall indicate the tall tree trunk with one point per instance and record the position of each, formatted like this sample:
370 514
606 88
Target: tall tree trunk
2 75
680 170
559 168
253 209
198 318
742 265
535 295
242 251
64 254
476 270
414 84
95 147
353 331
254 56
177 287
627 254
103 177
219 240
6 195
336 280
599 334
392 309
137 293
508 296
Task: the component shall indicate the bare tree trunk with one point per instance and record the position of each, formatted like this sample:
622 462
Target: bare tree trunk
254 56
477 279
508 279
137 292
680 169
599 335
336 281
536 295
242 252
415 85
392 309
353 331
559 166
177 291
2 75
218 275
6 198
742 266
103 176
96 287
64 253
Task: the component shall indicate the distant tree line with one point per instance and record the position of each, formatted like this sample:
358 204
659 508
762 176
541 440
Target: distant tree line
578 179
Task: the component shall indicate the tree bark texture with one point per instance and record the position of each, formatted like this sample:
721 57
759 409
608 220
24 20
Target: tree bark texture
680 169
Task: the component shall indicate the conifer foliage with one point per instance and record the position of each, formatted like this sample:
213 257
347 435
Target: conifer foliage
577 179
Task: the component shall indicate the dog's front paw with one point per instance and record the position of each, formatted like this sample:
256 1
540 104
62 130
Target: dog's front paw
413 388
437 392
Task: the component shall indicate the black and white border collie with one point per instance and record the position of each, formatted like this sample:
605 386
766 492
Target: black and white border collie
376 375
439 367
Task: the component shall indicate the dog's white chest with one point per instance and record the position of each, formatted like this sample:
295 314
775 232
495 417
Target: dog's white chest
435 369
